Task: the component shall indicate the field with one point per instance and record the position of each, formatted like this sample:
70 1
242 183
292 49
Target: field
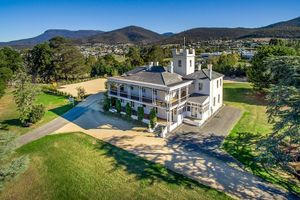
252 127
55 106
77 166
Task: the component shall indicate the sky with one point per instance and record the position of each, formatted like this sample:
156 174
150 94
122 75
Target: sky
21 19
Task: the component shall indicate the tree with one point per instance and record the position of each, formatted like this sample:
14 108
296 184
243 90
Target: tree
140 113
128 110
282 147
226 64
118 106
25 96
11 59
153 118
68 62
256 73
134 57
39 61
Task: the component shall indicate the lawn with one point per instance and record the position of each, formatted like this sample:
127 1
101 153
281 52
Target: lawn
252 127
55 106
77 166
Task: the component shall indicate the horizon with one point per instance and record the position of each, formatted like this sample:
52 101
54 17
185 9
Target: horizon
35 17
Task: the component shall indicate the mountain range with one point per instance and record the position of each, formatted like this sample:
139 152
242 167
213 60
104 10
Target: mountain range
139 35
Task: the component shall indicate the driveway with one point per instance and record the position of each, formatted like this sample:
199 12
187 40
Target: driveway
200 166
208 138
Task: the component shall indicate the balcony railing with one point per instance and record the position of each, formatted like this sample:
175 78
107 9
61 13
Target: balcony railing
147 99
113 92
123 94
134 97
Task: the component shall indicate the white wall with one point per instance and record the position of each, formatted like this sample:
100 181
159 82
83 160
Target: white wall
215 91
186 57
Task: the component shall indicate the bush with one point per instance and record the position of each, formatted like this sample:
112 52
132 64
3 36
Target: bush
153 118
118 105
106 102
36 113
80 93
140 113
128 110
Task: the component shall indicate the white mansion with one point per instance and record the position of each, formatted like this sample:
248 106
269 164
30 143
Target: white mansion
179 93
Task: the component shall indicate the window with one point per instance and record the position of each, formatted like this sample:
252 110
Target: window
214 102
144 105
191 63
132 104
179 63
218 98
131 87
200 86
144 90
122 88
220 82
217 83
155 108
155 92
188 108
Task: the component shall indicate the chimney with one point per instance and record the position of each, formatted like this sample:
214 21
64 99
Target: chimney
209 66
198 68
171 67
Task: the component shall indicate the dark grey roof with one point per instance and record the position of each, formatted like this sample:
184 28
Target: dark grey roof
197 98
156 75
202 74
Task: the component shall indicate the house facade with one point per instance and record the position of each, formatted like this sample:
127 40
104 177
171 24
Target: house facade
179 93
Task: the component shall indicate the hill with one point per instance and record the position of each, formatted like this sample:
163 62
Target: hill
290 23
47 35
197 34
129 34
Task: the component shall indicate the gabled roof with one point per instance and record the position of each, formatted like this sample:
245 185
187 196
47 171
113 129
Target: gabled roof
156 75
202 74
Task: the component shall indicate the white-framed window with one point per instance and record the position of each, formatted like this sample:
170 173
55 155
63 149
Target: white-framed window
218 98
191 63
217 83
220 82
214 102
200 86
179 63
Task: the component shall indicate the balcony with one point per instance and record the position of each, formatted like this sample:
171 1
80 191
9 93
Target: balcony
113 92
123 94
134 97
147 99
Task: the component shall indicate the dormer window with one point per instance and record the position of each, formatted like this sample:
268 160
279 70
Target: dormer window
179 63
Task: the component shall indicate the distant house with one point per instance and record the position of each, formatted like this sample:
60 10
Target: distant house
178 93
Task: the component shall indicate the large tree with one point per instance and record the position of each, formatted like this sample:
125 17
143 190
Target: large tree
257 73
134 57
282 147
39 62
10 58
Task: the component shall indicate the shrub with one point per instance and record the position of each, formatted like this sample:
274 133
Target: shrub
118 105
80 93
140 113
36 113
153 118
128 110
106 102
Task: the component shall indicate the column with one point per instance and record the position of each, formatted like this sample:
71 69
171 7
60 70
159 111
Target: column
179 95
128 91
118 90
140 93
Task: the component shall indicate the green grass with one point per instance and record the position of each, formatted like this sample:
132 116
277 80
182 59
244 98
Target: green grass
251 128
55 106
77 166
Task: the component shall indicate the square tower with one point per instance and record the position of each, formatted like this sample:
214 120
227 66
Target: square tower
184 61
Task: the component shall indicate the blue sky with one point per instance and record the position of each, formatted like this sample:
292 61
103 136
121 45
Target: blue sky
28 18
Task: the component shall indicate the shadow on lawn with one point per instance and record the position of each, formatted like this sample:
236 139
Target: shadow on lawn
241 145
145 170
